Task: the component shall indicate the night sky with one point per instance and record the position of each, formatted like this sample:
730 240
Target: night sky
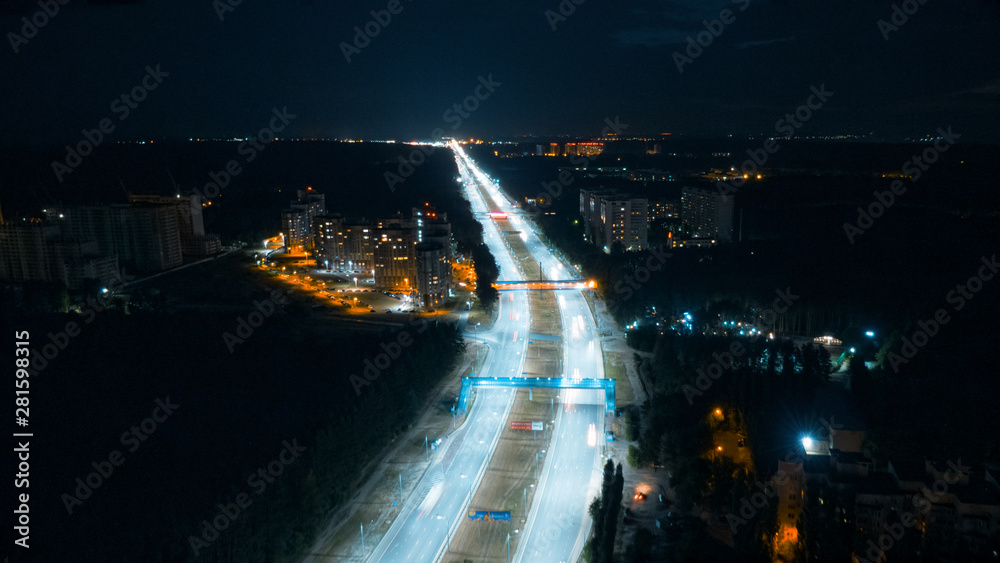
940 68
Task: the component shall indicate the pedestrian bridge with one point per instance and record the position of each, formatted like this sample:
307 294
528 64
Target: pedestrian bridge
608 385
539 285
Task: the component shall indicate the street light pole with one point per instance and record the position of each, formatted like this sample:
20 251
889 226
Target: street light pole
362 539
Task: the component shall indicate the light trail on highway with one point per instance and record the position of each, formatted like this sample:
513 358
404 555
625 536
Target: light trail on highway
571 470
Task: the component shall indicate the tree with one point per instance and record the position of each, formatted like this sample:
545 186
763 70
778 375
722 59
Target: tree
633 458
607 485
486 275
632 425
614 506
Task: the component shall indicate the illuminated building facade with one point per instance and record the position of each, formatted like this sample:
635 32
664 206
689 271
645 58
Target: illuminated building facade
297 220
707 214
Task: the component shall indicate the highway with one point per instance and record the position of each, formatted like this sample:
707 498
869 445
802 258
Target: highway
428 518
571 467
558 522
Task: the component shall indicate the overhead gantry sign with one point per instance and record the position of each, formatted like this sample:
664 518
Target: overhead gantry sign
608 385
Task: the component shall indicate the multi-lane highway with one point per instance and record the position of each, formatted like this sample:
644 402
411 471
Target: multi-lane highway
431 515
557 522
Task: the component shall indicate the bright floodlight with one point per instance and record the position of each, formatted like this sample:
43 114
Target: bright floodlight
870 334
852 350
807 443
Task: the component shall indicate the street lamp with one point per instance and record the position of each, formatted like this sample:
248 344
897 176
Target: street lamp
538 455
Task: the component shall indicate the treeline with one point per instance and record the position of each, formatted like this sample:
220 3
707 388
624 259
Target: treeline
191 490
487 273
604 512
764 390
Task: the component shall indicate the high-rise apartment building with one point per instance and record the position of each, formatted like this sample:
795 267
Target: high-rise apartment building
36 251
411 255
297 220
343 244
433 273
24 252
612 217
623 220
190 222
707 214
144 235
395 257
663 210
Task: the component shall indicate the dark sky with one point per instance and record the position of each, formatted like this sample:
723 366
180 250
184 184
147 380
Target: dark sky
608 58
